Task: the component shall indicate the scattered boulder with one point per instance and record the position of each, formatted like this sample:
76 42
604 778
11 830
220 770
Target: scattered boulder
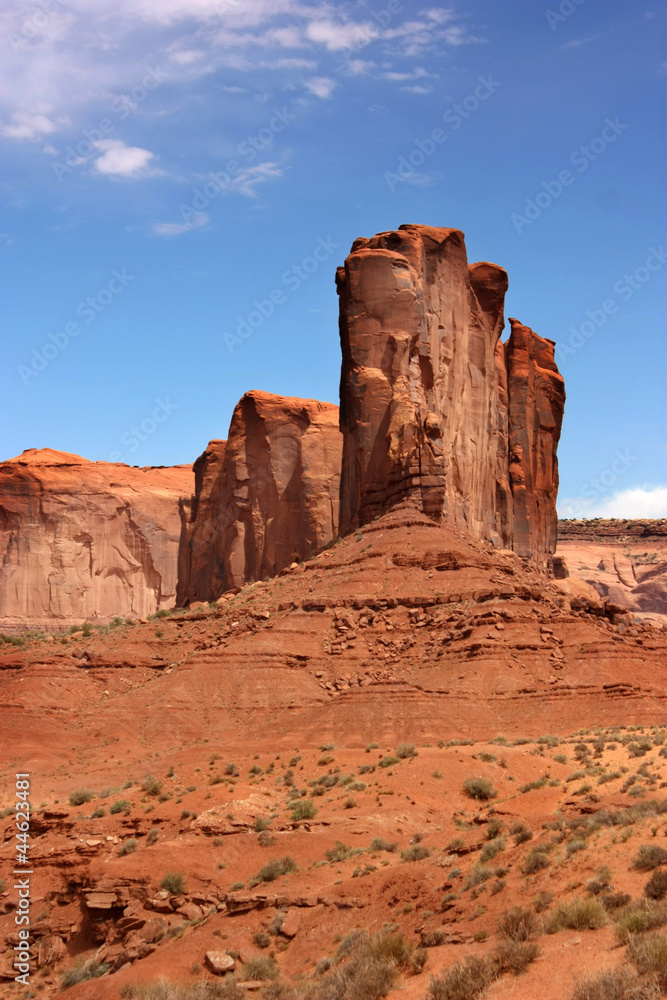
219 962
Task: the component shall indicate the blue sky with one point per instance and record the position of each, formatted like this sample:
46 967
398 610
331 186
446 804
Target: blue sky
180 179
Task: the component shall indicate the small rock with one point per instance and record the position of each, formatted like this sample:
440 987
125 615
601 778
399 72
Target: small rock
291 923
219 962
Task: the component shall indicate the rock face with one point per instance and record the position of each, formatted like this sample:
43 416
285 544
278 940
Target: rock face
86 540
434 407
625 561
267 497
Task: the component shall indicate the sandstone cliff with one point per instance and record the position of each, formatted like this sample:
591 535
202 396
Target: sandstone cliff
434 407
86 540
270 496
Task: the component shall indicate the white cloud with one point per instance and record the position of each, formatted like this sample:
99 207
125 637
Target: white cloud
246 182
119 160
637 502
417 89
31 126
321 86
338 35
198 220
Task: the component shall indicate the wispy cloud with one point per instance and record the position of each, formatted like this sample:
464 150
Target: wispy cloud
247 182
198 220
32 126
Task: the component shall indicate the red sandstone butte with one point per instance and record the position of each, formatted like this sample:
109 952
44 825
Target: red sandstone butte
270 499
86 540
434 407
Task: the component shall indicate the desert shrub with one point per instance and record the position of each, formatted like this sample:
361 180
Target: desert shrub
618 984
304 809
151 785
493 847
259 967
265 839
389 761
79 974
261 823
648 953
574 845
274 869
649 856
532 786
339 852
578 915
405 750
467 980
521 833
640 916
152 836
261 939
480 788
366 968
535 861
615 901
127 847
173 882
255 770
493 828
120 805
656 887
80 796
518 924
515 956
433 939
415 853
380 844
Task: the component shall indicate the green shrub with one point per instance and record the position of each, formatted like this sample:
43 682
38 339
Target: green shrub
515 956
80 796
127 847
618 984
492 848
274 869
304 809
649 856
339 852
415 853
467 980
578 915
79 974
259 967
405 750
656 887
480 788
174 883
121 805
151 785
380 844
389 761
521 833
640 916
648 954
518 924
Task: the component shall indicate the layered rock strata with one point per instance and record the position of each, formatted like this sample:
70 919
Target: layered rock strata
86 540
268 498
434 407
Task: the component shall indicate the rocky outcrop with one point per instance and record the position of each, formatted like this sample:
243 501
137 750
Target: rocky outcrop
84 540
435 409
199 566
625 561
265 499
